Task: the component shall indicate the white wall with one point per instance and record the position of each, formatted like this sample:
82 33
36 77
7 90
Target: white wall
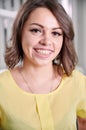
79 19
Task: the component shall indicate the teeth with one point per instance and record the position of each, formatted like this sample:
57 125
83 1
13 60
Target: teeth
43 51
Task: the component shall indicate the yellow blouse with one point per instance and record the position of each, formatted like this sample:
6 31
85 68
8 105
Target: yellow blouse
20 110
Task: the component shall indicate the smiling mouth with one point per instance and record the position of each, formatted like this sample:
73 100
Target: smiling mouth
43 51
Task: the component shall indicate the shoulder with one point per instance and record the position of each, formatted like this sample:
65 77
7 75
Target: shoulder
79 78
78 74
76 77
4 75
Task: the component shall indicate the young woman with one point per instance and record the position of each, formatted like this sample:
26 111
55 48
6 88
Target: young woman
41 90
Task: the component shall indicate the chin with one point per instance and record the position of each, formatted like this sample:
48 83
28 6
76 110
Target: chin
42 63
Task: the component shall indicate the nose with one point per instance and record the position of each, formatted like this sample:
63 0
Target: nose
46 39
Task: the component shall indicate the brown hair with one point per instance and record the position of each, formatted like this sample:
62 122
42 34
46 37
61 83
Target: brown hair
67 55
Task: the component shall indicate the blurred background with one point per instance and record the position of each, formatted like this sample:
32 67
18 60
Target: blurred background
75 8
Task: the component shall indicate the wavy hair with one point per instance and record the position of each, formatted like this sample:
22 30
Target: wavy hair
67 57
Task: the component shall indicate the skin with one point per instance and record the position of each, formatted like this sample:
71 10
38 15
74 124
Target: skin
81 123
41 42
41 38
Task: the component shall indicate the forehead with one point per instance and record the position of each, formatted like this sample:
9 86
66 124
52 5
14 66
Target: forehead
44 17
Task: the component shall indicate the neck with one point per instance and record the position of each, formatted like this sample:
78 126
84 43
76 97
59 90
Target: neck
42 79
38 72
38 79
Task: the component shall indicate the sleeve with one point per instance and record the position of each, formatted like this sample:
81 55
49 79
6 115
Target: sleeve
81 109
0 119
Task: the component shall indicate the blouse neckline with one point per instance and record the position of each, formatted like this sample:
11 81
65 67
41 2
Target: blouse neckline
34 94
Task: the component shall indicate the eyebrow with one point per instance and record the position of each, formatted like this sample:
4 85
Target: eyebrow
43 26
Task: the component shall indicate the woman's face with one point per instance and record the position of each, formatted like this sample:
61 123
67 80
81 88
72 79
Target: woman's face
41 38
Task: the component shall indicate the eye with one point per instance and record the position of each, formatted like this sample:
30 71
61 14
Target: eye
36 31
55 33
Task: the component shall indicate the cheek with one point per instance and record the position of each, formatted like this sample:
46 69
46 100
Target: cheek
30 39
59 45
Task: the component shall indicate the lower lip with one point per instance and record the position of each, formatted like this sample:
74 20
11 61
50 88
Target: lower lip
42 56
